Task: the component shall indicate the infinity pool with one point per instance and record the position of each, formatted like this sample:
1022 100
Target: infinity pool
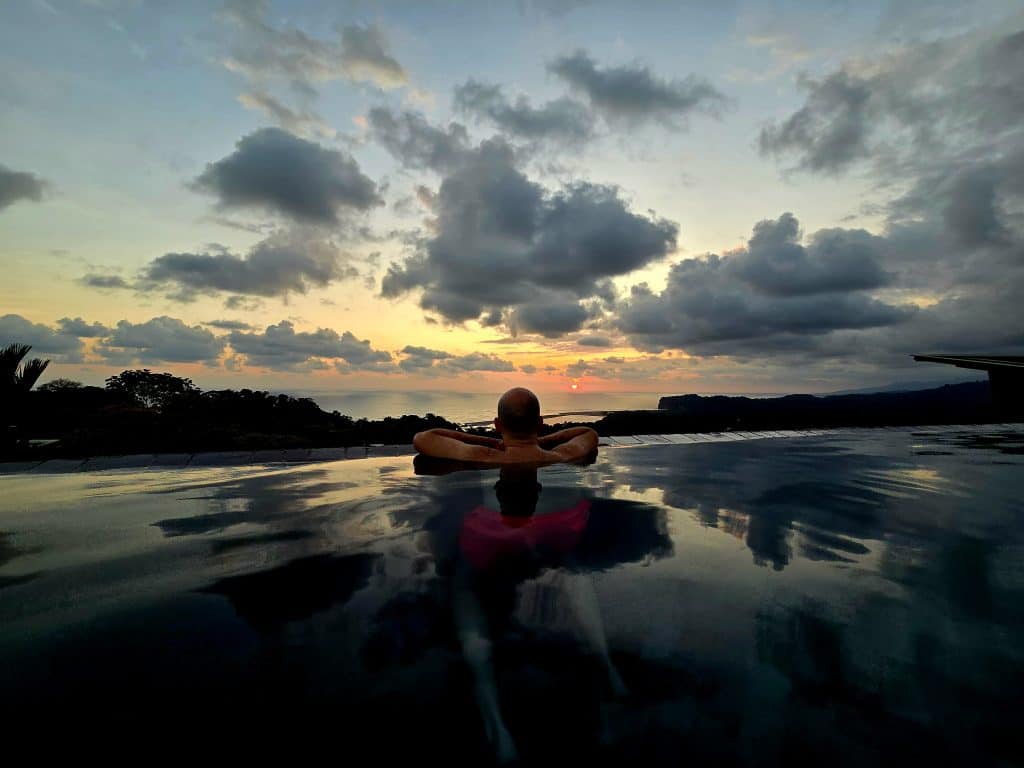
850 599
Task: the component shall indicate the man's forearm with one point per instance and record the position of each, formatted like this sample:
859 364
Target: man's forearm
464 437
562 436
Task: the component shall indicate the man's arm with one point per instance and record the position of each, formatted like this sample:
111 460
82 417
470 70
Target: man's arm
450 444
562 436
583 443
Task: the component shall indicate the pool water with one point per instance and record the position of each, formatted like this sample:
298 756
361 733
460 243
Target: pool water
855 598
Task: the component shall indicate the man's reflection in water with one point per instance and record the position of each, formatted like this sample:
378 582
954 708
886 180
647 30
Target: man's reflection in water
515 560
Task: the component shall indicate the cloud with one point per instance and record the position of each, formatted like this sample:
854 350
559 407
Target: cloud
45 341
288 261
594 341
774 296
418 359
940 123
633 94
243 303
562 121
229 325
159 340
104 281
552 315
422 360
364 57
475 361
280 347
273 170
417 144
504 241
264 52
20 185
940 97
831 130
80 328
774 262
555 9
305 122
645 368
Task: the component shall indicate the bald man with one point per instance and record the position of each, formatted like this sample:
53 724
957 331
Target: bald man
518 423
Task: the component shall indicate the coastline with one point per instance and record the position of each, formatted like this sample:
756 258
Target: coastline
303 456
288 427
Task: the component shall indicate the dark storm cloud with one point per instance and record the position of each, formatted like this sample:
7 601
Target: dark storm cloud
415 143
634 93
45 341
774 262
81 329
273 170
280 347
562 120
551 316
775 295
19 185
290 261
262 51
504 241
161 339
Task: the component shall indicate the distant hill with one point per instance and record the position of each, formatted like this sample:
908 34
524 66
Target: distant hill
968 403
902 386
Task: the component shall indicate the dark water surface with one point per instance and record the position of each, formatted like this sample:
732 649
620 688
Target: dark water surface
851 599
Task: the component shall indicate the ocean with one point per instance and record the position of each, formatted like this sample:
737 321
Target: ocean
463 407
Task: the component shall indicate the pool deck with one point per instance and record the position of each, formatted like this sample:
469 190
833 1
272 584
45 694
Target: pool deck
318 455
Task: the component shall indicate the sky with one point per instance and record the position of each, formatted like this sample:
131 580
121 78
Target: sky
641 197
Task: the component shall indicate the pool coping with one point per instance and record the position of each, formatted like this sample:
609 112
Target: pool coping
321 455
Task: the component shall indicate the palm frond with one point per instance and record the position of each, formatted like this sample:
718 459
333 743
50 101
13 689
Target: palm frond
30 372
10 357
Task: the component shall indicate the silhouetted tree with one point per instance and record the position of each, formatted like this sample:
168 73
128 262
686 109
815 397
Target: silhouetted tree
148 389
59 385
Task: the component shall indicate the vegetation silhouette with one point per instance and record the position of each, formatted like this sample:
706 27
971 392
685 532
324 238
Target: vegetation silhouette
141 411
17 377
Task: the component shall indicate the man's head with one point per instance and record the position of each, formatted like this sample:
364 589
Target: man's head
518 414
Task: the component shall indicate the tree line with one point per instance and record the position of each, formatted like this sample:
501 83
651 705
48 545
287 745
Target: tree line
143 411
